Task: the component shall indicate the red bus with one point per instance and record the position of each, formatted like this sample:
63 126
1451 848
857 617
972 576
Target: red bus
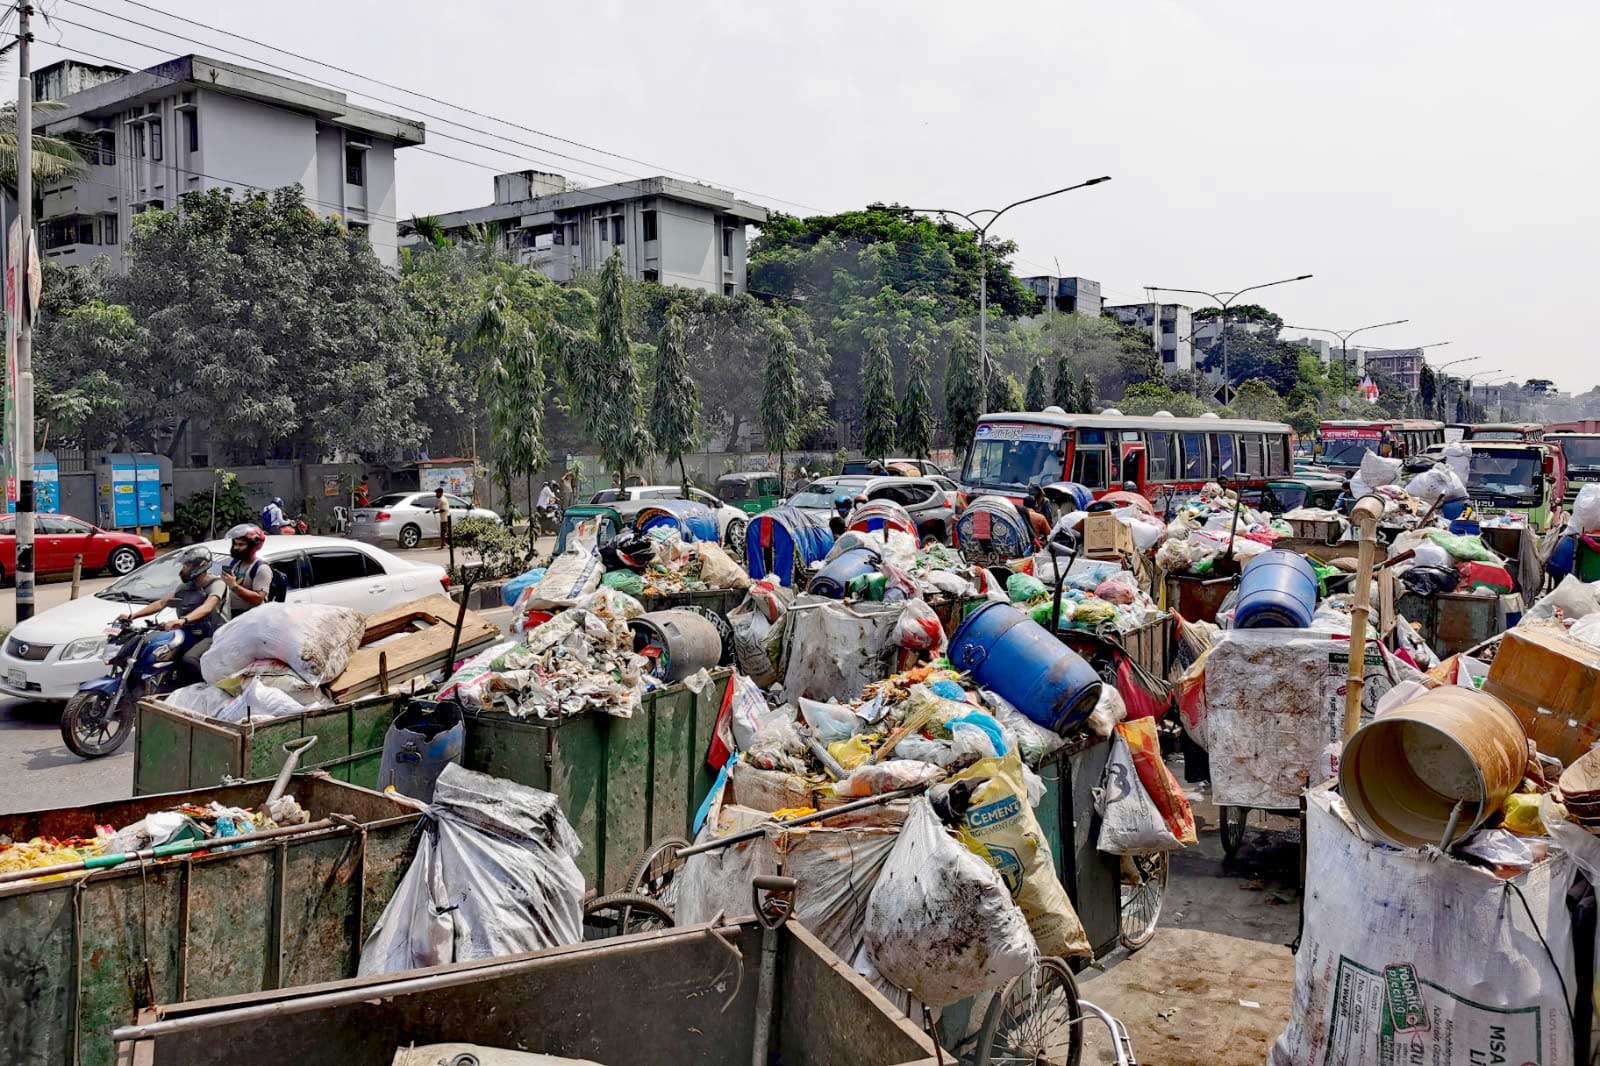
1342 443
1162 455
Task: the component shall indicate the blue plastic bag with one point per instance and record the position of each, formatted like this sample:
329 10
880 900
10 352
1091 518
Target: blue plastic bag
512 590
989 725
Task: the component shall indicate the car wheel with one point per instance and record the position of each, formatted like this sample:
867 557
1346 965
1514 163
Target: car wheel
733 540
123 561
410 536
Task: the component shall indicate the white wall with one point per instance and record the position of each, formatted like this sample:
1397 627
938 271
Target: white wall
690 253
253 146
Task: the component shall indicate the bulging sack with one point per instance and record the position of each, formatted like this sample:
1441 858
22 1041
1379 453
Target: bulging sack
1130 824
315 640
569 579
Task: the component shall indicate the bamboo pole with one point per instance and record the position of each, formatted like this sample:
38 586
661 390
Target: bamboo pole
1365 515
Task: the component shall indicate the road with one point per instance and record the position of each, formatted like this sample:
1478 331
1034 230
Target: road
36 769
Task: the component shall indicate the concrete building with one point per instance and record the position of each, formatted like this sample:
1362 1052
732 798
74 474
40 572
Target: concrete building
674 232
1323 349
1402 364
1171 329
1072 296
194 124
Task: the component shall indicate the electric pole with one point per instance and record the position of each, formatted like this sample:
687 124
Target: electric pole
21 267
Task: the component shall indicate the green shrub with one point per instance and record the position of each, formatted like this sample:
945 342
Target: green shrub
192 519
496 551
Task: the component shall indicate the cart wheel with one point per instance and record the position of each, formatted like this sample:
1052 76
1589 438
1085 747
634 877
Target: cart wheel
1035 1020
623 914
1235 820
655 875
1144 888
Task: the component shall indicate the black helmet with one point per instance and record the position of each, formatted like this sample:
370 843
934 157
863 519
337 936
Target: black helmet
193 562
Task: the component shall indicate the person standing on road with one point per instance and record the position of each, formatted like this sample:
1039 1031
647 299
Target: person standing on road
197 600
442 507
249 579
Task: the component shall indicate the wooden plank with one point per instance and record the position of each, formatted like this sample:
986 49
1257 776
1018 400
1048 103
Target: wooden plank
422 633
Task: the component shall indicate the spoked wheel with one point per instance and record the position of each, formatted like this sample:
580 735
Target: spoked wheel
623 914
655 875
92 727
1035 1020
1234 822
1144 887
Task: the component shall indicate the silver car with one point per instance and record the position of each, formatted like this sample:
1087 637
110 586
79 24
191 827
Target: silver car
923 498
409 518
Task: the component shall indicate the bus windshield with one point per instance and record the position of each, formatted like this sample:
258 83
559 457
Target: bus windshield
1347 451
1014 457
1583 453
1504 472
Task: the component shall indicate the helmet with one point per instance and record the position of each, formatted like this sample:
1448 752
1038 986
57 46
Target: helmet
193 562
278 500
251 534
842 504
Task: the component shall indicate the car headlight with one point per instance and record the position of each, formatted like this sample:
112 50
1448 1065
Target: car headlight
84 648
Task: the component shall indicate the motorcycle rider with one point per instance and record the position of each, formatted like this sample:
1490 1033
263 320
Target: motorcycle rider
272 516
842 506
197 599
248 578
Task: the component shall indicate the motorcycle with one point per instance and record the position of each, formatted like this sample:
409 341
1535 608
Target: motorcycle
548 519
99 717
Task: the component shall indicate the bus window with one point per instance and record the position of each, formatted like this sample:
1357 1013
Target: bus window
1159 445
1277 455
1089 467
1195 467
1223 444
1252 460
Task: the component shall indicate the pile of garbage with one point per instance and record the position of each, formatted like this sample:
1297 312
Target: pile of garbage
1213 524
1097 596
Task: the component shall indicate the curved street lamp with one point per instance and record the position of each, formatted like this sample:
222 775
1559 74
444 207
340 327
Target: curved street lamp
1225 299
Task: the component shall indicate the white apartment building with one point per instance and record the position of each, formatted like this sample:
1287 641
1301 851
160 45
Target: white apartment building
1171 329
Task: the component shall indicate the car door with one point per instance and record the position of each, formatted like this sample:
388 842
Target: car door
292 565
424 514
8 545
73 538
344 577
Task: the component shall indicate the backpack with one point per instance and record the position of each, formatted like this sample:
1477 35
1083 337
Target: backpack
278 591
267 524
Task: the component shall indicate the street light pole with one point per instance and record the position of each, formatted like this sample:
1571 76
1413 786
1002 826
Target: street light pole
1344 335
1224 304
982 231
23 429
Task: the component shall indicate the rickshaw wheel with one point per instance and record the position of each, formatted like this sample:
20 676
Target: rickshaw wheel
655 875
1035 1020
1144 888
623 914
1234 821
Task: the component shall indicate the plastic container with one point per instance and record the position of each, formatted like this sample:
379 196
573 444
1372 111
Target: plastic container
1465 527
1453 509
1012 655
677 643
782 542
1402 775
1277 590
693 520
834 578
422 740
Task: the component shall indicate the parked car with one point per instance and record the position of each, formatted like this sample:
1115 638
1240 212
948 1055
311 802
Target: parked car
57 538
731 521
408 518
922 497
927 467
48 656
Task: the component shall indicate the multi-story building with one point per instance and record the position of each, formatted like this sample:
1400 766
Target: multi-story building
196 123
1171 329
1072 296
1323 349
1402 364
674 232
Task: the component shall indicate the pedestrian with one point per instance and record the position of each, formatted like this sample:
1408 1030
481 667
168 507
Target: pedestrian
363 492
441 507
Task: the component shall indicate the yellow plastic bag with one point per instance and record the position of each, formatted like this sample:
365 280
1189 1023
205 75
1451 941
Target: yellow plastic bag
1001 828
1522 815
850 753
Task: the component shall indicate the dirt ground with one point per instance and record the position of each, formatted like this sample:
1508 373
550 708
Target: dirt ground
1213 987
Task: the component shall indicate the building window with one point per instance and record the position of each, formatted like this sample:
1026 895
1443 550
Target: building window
355 165
600 225
108 148
619 234
136 132
191 130
650 233
155 140
108 229
727 244
727 288
1169 355
652 275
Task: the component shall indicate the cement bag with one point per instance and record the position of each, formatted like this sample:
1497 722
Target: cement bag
940 923
833 650
1406 958
718 569
315 640
1000 826
259 700
1130 823
1436 483
493 875
1586 510
1376 471
752 621
571 577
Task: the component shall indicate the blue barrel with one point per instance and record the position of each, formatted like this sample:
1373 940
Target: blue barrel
1453 509
693 520
1277 590
836 575
782 542
1007 652
1563 558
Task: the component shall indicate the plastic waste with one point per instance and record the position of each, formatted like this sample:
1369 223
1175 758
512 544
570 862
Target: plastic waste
829 722
1033 742
874 779
1022 587
625 581
315 640
988 725
1467 547
1586 510
1376 471
918 628
513 589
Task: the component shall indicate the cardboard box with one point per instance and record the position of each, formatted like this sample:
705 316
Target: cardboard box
1552 683
1105 537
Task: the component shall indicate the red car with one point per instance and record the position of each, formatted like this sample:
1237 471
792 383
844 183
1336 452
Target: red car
57 538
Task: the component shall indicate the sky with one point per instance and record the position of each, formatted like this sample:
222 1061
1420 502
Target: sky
1424 160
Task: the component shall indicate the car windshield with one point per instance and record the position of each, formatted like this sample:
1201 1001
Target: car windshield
151 581
1281 498
1015 464
394 499
1497 472
1347 451
1583 453
733 489
821 494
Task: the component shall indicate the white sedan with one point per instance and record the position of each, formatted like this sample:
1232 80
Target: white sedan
50 655
731 521
409 518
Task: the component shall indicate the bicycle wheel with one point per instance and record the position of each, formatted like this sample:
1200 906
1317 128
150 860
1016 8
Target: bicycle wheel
1035 1020
655 875
1144 887
1234 822
623 914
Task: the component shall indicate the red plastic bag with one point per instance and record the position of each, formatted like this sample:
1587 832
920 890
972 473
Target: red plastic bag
1140 701
721 749
1145 744
1479 575
918 628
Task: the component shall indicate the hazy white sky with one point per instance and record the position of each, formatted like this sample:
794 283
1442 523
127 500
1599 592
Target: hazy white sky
1425 160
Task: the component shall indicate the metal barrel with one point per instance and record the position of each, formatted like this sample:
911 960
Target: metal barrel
1006 651
685 642
1404 774
421 741
782 542
1277 590
835 576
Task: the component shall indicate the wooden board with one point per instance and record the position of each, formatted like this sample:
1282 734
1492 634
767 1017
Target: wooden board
1552 683
422 632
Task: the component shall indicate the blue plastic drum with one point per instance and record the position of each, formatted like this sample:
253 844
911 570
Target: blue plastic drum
835 577
1006 651
1277 590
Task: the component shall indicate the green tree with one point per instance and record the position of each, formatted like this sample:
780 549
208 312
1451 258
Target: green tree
1148 397
1257 398
1305 420
53 159
780 394
513 390
1064 392
674 398
608 397
877 396
1005 392
963 387
916 409
1084 396
1036 397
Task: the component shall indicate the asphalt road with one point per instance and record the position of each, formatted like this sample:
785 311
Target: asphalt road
36 769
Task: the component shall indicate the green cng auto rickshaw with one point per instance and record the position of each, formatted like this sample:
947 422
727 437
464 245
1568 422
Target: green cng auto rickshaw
750 491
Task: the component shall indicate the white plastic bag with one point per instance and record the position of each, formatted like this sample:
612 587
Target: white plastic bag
1130 822
1430 554
1586 510
315 640
1436 483
919 628
832 650
718 568
829 722
1573 596
752 621
199 698
1377 471
939 922
1032 740
493 875
750 712
874 779
259 700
